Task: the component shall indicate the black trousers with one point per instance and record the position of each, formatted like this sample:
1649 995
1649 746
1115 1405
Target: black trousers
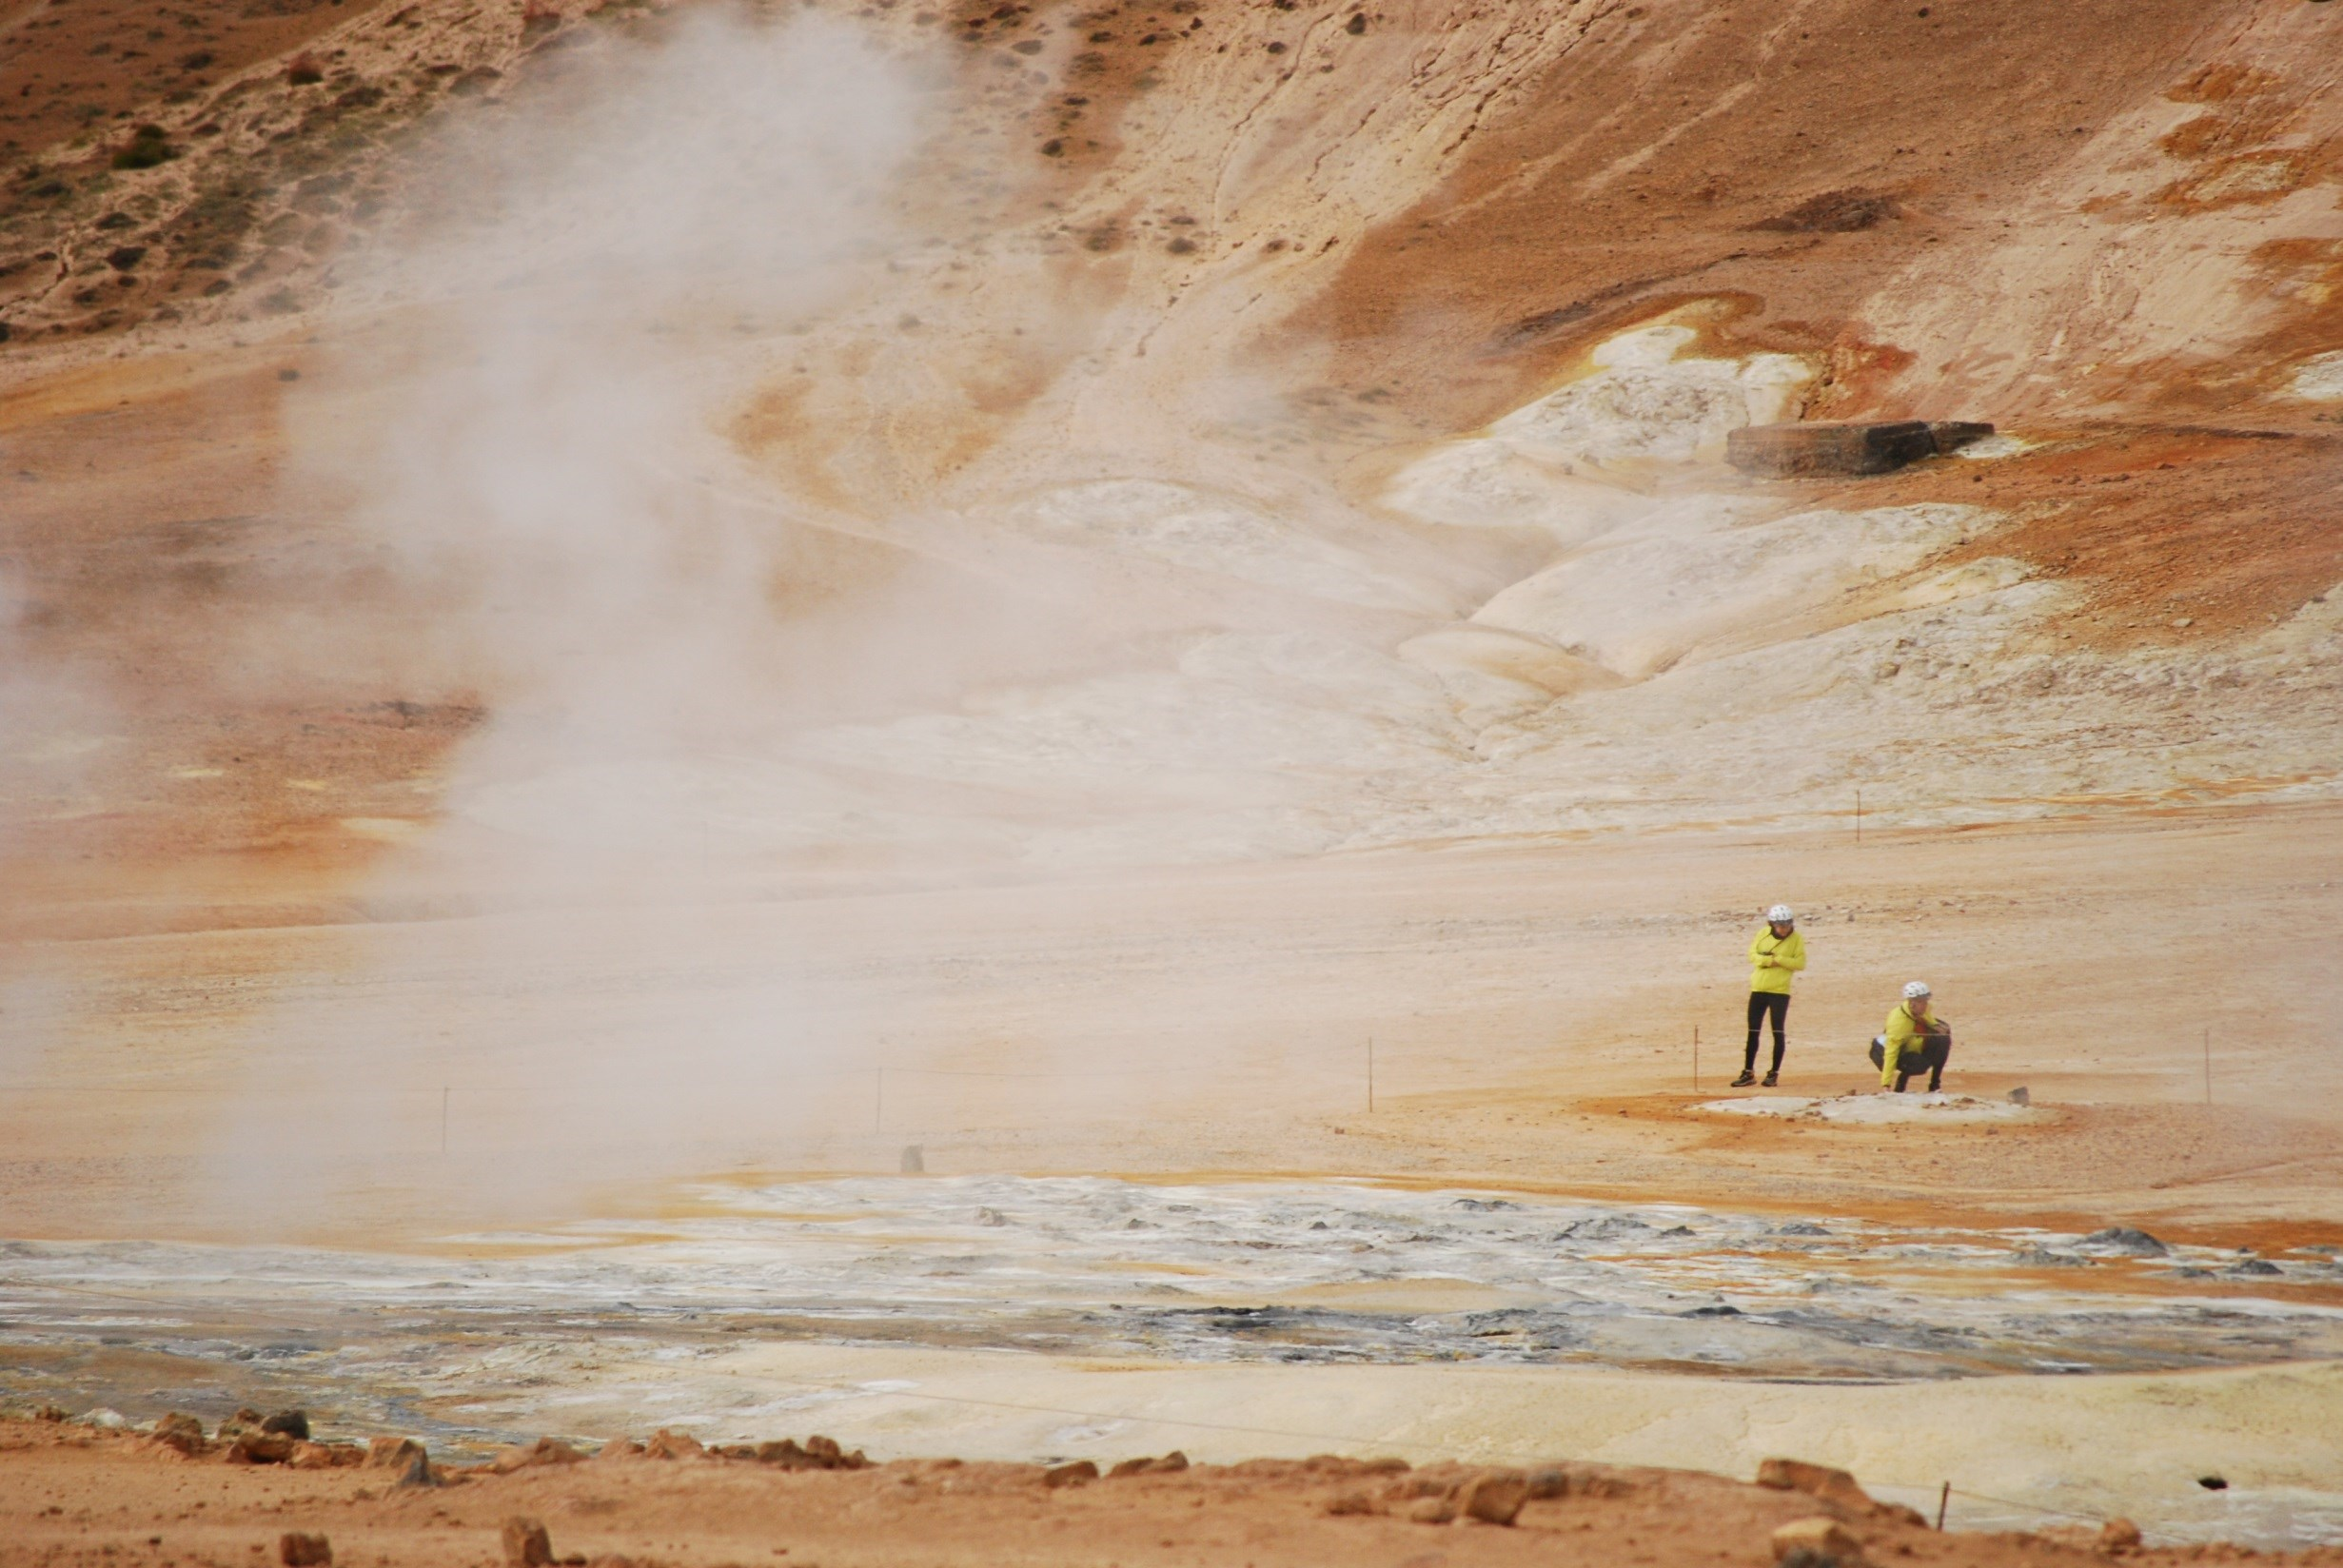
1762 1003
1932 1053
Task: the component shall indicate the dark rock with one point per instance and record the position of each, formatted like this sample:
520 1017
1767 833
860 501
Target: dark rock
2258 1266
419 1473
1834 212
526 1545
1170 1463
1549 1483
1822 448
1080 1473
296 1550
1952 435
2133 1244
291 1424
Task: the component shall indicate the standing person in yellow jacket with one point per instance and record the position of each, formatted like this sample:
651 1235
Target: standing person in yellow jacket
1775 954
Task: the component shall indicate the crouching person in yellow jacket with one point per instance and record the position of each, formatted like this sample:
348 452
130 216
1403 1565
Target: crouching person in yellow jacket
1916 1038
1775 954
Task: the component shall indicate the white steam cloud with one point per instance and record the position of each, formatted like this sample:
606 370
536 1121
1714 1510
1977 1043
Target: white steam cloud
561 344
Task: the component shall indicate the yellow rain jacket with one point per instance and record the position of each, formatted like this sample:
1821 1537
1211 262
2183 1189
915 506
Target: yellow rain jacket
1903 1030
1773 960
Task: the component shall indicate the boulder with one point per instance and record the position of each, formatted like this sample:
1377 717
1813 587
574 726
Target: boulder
1344 1503
1815 1543
526 1545
1549 1483
1079 1473
291 1423
1170 1463
180 1433
525 1456
621 1449
673 1445
1494 1497
321 1456
296 1550
1431 1511
419 1473
1816 1480
2119 1534
392 1453
1825 449
257 1448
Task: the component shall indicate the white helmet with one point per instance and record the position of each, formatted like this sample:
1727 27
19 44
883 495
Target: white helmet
1779 916
1914 990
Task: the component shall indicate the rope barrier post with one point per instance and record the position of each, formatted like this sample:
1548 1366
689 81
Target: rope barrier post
1944 1500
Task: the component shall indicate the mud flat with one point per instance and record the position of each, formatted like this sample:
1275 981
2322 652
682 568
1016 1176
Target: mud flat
1063 1320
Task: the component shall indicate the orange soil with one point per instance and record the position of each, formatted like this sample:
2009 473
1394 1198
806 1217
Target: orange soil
71 1497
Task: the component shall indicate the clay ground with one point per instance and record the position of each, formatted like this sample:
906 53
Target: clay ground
72 1497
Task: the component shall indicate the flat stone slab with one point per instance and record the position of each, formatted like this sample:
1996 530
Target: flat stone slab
1825 449
1874 1109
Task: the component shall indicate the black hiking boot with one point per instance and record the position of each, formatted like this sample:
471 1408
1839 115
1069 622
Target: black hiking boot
1770 1079
1746 1079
